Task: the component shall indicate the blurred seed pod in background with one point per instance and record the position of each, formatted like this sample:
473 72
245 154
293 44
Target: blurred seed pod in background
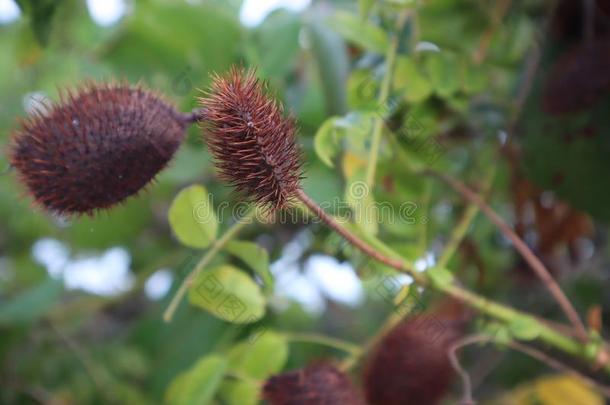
410 365
318 384
99 145
579 78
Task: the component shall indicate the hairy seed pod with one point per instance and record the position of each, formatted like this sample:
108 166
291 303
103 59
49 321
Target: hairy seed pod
251 140
319 384
410 365
96 147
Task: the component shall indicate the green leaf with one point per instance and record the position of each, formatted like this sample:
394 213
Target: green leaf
362 90
365 7
443 71
41 14
326 141
473 76
332 60
255 257
276 43
192 217
265 356
525 328
240 392
229 294
182 42
197 385
363 33
32 303
357 127
409 79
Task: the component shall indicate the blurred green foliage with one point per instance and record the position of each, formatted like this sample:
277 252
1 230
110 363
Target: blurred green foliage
454 96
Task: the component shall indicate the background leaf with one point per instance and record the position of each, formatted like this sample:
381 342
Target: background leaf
254 256
197 385
192 217
262 358
229 294
360 32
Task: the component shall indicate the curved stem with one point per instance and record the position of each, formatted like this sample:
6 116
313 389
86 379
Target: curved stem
501 312
557 365
462 226
384 92
517 346
455 363
216 247
355 240
324 340
198 114
534 262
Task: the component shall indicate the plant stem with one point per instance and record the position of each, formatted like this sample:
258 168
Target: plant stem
534 262
355 240
216 247
198 114
510 315
523 348
501 312
347 347
463 224
384 92
388 325
455 363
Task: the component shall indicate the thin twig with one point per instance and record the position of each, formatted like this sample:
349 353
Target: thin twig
386 85
198 114
328 341
520 347
535 263
388 325
557 365
499 12
455 363
459 231
216 247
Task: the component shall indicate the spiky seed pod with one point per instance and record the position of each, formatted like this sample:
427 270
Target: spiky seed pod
410 365
99 145
319 384
251 140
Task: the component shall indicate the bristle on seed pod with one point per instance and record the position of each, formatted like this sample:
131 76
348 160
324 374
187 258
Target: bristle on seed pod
251 140
99 145
319 384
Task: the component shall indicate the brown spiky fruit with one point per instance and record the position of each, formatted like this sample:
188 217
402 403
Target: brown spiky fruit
410 365
319 384
99 145
251 140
